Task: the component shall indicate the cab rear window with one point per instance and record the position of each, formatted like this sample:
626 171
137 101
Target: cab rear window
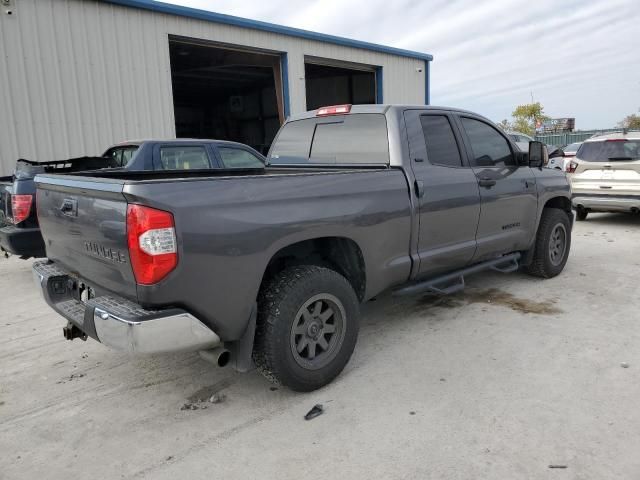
609 151
341 139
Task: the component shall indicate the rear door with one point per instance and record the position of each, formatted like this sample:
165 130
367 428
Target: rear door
447 190
508 196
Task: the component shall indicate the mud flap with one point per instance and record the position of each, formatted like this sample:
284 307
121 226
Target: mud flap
242 349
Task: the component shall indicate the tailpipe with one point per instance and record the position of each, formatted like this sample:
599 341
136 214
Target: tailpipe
219 356
635 210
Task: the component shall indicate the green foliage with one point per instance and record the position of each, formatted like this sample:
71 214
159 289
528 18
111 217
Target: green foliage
505 125
526 116
631 122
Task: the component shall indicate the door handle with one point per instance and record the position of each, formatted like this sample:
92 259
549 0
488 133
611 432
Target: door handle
419 186
486 182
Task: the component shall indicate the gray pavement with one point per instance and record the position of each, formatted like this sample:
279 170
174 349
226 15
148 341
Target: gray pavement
499 382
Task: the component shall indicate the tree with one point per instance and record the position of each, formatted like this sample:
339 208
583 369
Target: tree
505 125
525 117
631 122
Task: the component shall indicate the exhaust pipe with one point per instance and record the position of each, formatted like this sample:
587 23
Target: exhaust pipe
635 210
219 356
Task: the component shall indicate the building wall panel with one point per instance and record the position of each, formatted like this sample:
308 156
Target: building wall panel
80 75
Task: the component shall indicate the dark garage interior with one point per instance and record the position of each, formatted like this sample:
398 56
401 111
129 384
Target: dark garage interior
226 94
335 85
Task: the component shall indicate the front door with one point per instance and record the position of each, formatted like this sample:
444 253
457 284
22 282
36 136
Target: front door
447 191
508 196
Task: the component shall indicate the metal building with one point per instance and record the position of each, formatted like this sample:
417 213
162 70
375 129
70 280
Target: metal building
79 75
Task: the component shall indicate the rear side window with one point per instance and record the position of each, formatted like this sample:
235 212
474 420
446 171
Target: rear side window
183 158
609 151
489 147
347 139
442 148
239 158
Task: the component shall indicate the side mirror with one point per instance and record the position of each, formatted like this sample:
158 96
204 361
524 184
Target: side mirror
538 155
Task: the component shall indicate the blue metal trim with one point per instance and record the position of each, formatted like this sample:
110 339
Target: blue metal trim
379 85
427 81
284 69
265 26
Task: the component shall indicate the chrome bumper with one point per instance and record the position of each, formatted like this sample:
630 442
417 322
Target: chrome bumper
606 202
120 323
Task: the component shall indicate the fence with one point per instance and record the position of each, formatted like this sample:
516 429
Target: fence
559 139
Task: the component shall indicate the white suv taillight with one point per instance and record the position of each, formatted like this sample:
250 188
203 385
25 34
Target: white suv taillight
151 237
571 167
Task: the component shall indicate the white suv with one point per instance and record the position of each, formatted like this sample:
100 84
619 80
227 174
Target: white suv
605 174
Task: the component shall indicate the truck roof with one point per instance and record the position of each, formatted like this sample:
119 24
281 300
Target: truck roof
382 109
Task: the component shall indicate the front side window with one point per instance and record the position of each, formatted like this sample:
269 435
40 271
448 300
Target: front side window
238 158
490 149
183 157
442 148
343 139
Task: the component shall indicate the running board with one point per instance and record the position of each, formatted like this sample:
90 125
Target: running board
454 282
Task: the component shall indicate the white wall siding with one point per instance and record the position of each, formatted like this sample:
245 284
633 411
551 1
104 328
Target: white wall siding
79 75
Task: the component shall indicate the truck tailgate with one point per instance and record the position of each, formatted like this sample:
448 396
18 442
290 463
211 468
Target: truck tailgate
83 222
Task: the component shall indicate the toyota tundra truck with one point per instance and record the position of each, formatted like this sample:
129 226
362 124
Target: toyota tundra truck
269 267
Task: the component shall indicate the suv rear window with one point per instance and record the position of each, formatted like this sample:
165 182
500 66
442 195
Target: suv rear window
609 151
342 139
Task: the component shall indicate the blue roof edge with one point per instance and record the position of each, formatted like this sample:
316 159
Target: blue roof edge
265 26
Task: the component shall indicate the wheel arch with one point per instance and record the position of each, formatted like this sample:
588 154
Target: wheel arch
341 254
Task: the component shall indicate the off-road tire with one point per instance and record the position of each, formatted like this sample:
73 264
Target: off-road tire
279 304
542 264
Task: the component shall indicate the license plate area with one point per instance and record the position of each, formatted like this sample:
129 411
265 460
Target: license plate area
79 290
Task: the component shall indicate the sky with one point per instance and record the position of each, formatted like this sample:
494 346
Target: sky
579 58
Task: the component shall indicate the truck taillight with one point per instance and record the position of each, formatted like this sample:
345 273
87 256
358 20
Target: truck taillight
151 237
571 167
333 110
21 207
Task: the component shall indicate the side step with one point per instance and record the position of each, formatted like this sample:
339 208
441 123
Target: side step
454 282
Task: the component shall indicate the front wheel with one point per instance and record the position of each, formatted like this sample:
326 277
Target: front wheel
307 327
553 242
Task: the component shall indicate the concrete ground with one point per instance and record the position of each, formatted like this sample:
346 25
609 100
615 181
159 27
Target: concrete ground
500 382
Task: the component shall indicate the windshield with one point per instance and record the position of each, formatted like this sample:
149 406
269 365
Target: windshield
572 148
609 150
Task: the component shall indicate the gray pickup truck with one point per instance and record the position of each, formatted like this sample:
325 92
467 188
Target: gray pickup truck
269 267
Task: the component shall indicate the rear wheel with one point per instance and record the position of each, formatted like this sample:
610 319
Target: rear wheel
307 327
553 242
581 214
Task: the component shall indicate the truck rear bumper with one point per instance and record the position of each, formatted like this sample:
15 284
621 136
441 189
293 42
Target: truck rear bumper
120 323
607 203
22 241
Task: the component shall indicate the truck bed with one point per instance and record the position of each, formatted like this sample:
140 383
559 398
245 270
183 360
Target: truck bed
228 226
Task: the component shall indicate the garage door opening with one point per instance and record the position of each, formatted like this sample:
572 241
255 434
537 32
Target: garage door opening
226 94
334 85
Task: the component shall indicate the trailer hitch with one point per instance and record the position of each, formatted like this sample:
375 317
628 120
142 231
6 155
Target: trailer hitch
71 331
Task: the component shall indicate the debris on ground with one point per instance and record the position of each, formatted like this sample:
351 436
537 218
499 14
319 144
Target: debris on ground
624 365
316 411
189 406
217 398
557 466
273 389
412 413
73 376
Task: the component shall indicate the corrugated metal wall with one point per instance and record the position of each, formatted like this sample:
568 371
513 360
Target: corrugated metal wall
559 139
79 75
